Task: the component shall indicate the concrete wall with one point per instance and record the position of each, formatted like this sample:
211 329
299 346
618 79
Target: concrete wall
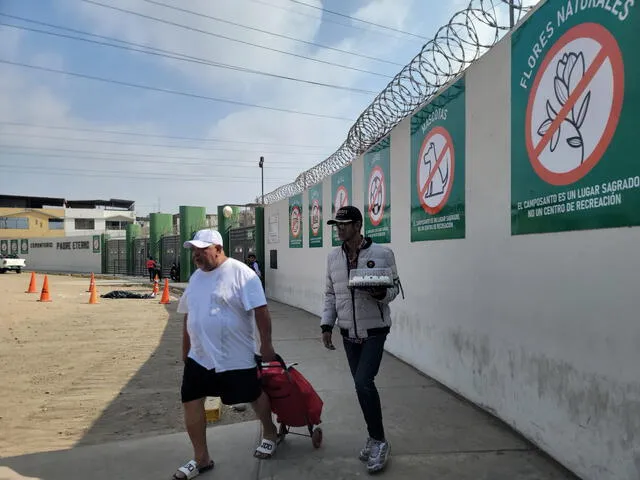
541 330
75 254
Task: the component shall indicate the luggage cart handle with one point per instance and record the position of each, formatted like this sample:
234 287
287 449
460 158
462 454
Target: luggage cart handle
262 364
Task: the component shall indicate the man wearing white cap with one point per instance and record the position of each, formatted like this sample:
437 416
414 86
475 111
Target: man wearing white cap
221 302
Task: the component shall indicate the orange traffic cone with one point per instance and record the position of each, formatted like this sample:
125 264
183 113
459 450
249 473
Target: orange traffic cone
94 295
156 289
92 283
44 295
32 284
165 292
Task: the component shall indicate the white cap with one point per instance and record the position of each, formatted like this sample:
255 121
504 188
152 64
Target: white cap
204 238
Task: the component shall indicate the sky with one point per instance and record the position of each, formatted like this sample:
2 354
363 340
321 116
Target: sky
166 132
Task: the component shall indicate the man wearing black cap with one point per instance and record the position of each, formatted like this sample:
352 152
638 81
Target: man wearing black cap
363 317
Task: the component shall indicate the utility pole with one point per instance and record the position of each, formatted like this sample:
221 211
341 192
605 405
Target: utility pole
261 165
511 13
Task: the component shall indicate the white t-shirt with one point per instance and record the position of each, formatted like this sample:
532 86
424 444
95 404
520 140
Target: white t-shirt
220 319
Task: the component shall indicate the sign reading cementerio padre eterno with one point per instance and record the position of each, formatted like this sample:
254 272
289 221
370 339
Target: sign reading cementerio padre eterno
575 96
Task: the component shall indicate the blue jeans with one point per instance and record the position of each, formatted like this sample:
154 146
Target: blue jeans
364 361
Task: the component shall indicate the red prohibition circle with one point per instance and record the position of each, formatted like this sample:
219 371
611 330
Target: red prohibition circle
448 144
346 197
610 50
295 212
377 222
315 228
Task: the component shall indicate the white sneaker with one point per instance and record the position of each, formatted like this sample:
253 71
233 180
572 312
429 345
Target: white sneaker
378 456
366 450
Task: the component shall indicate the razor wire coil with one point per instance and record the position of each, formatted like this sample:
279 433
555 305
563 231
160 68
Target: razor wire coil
463 40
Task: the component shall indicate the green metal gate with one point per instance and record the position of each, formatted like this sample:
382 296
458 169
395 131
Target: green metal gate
116 257
242 241
140 255
169 248
243 233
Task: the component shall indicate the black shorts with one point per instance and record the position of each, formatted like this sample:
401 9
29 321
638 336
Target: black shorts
232 386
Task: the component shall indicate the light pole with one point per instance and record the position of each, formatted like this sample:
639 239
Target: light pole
261 165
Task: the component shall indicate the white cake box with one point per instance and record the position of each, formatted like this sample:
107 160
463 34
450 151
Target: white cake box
370 277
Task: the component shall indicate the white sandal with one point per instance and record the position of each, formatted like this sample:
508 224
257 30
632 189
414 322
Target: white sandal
266 449
191 470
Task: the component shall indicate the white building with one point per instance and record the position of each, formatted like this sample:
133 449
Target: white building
90 217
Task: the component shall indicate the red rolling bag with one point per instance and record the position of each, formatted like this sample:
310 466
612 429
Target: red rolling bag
293 399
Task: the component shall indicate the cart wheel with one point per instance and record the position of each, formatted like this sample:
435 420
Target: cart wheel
283 430
316 437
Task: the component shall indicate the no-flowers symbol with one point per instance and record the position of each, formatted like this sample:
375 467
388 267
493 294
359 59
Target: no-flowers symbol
575 104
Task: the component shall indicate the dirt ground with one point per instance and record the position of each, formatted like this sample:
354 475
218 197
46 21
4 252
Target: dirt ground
79 374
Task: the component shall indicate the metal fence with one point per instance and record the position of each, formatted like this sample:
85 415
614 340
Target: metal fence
169 248
242 241
140 254
116 257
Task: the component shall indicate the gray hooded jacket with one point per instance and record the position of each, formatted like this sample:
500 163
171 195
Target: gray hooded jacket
357 313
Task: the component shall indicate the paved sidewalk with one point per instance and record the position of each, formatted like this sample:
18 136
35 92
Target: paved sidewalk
434 434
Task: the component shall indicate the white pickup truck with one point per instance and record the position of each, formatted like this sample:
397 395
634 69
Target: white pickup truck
12 262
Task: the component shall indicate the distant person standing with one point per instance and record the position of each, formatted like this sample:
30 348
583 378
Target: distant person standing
253 263
364 320
175 272
151 268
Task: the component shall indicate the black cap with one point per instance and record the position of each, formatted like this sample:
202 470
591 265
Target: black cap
346 214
